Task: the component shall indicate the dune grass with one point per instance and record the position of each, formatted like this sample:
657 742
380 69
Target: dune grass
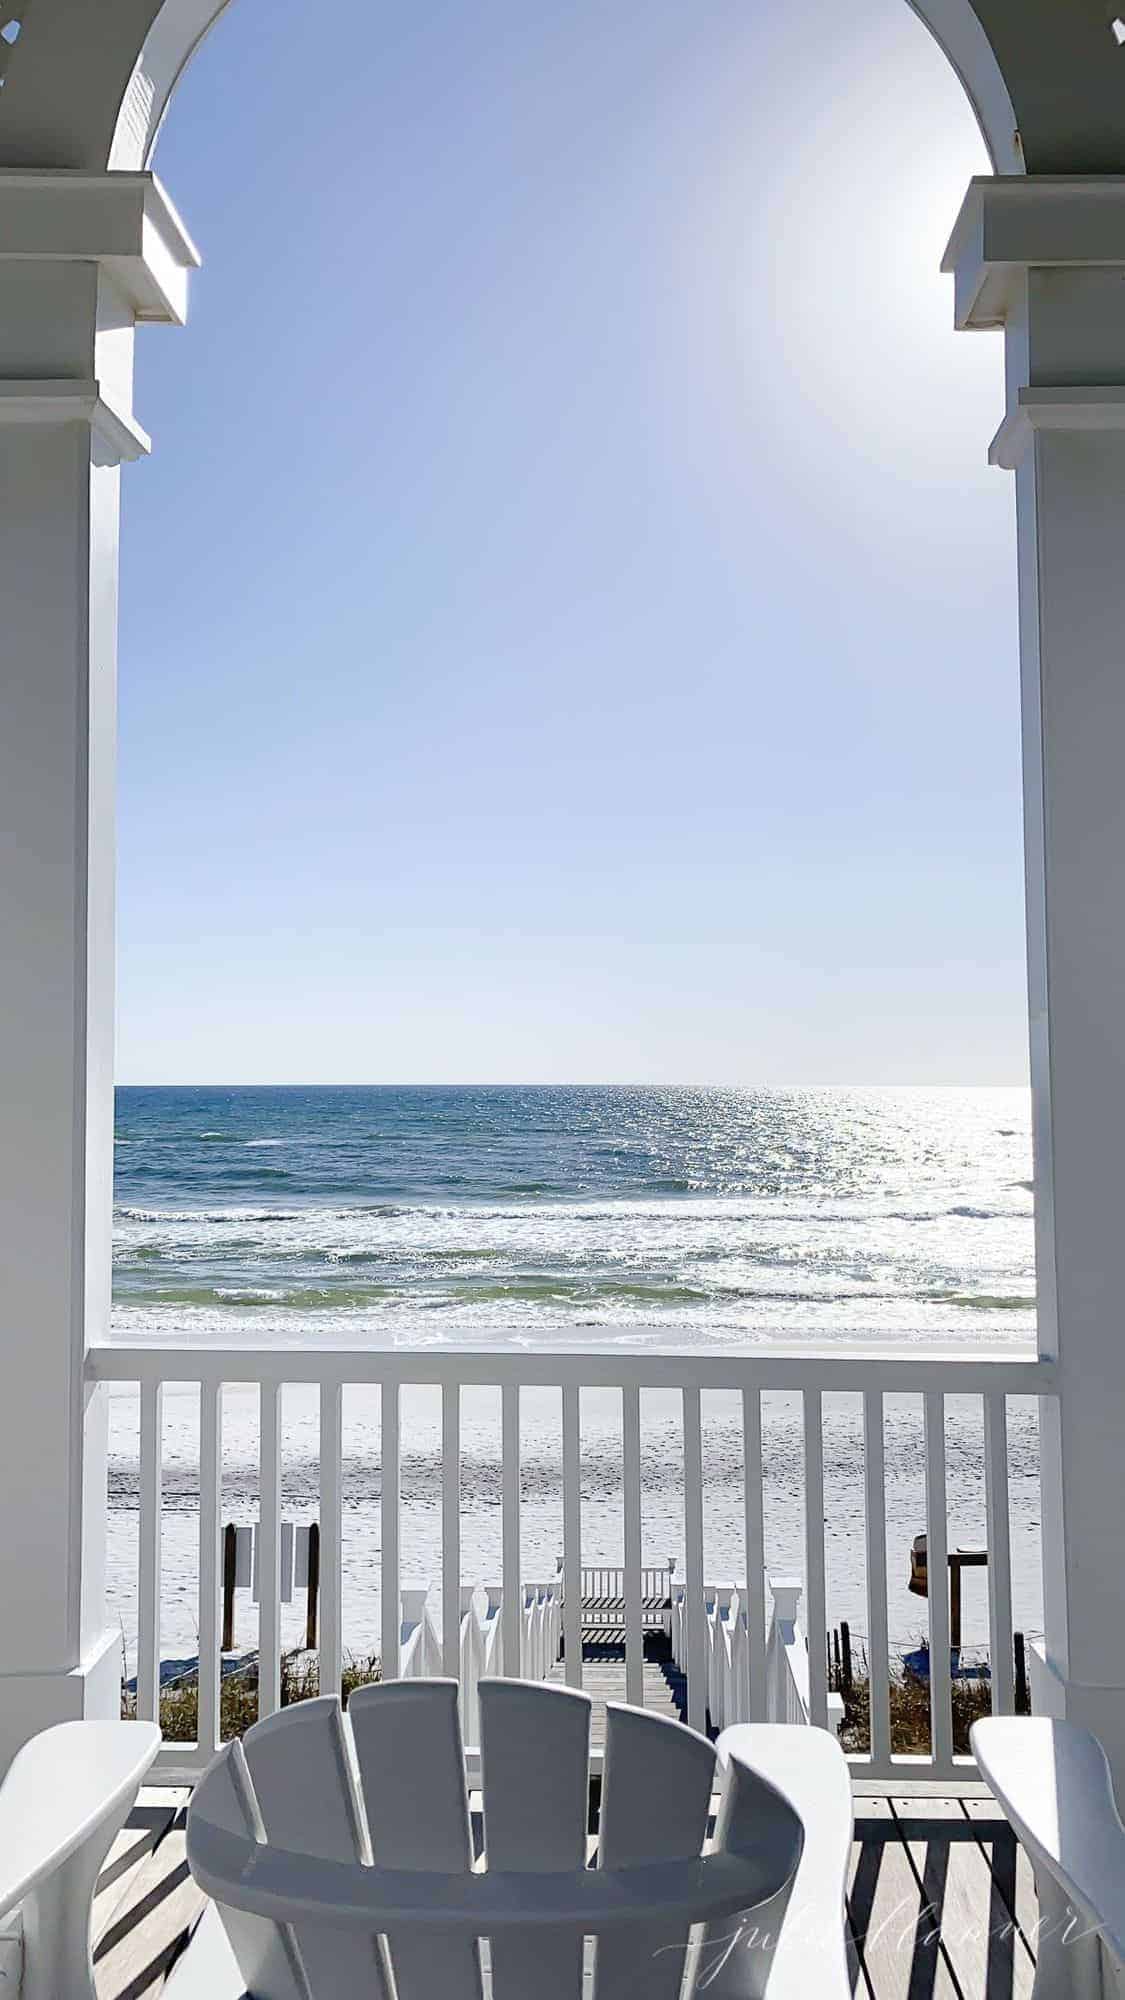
238 1695
910 1715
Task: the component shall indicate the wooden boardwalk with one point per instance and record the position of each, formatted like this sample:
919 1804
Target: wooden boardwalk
603 1679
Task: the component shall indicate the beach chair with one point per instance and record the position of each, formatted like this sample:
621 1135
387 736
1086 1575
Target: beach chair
65 1797
1053 1781
343 1855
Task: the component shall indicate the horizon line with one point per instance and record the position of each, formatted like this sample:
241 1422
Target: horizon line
532 1084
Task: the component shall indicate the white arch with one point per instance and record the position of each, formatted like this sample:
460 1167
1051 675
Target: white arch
958 33
180 26
171 42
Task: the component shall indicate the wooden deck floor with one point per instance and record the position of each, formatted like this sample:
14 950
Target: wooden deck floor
941 1905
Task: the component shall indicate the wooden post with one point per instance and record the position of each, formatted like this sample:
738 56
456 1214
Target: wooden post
230 1557
1023 1699
954 1604
313 1588
845 1657
836 1681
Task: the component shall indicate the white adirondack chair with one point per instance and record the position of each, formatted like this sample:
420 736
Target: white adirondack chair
809 1768
1053 1781
66 1796
339 1851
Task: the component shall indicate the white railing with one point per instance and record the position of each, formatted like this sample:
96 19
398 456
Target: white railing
480 1641
787 1689
725 1659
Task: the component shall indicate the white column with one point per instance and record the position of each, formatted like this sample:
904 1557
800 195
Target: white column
82 259
1045 259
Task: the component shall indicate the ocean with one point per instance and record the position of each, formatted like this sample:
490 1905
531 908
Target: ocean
630 1215
645 1214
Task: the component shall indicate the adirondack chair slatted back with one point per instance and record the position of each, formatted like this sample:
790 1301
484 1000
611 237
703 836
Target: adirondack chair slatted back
535 1780
300 1766
266 1952
408 1746
381 1796
656 1796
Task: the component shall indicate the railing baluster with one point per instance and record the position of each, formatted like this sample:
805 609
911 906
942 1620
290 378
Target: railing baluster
814 1556
694 1607
510 1517
755 1555
937 1570
390 1582
999 1553
572 1537
148 1604
210 1533
269 1551
450 1528
330 1630
875 1514
631 1476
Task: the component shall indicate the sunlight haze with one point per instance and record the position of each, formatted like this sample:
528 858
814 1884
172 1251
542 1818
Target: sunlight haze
568 623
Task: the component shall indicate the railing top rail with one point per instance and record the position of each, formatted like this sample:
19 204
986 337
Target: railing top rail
891 1370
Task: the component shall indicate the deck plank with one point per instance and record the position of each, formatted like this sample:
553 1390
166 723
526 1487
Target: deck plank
857 1971
895 1908
135 1950
908 1917
977 1932
151 1818
1014 1899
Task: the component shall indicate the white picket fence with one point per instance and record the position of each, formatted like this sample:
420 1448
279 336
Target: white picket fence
481 1648
481 1640
728 1650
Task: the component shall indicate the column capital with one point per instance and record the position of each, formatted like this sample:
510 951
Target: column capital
115 436
124 223
1009 223
1100 407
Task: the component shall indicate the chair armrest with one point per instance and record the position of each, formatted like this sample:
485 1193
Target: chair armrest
66 1796
1053 1781
808 1768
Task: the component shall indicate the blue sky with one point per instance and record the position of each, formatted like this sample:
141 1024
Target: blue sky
568 623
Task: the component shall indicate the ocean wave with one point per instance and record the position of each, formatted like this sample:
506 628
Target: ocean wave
741 1214
208 1215
983 1301
296 1298
714 1210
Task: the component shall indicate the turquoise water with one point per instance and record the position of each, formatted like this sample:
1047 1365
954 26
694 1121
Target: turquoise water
638 1213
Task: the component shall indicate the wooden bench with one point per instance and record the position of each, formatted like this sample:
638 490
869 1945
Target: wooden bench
602 1592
